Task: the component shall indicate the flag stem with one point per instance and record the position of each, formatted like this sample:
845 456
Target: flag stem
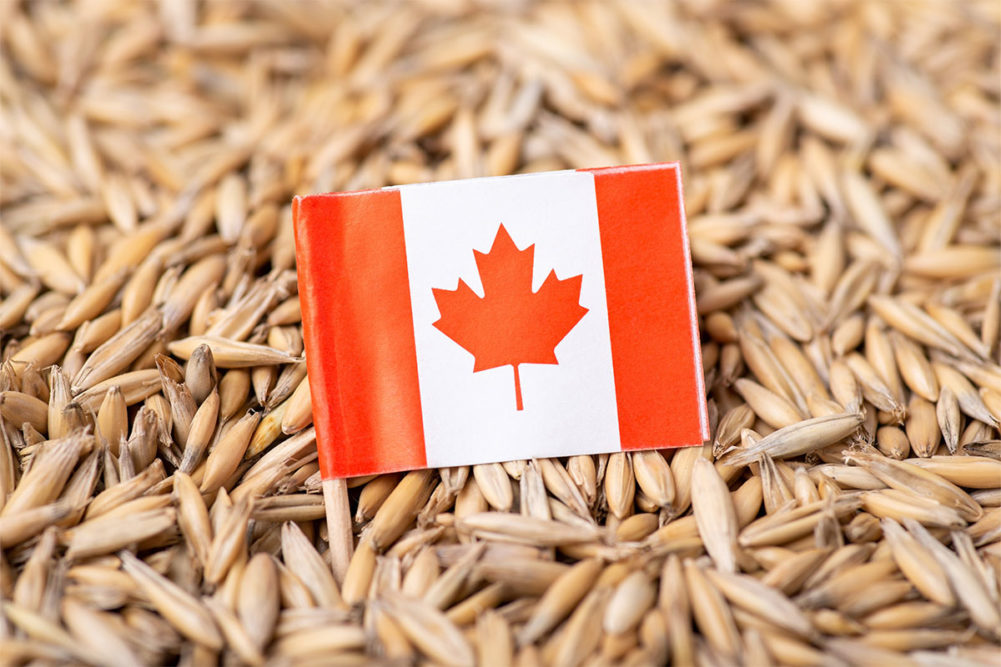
335 503
517 388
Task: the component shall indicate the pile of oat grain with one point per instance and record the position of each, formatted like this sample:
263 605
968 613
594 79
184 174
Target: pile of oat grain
158 479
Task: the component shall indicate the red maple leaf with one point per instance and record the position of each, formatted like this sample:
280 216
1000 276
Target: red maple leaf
510 324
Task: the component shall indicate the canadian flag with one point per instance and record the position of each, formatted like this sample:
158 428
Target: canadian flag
496 319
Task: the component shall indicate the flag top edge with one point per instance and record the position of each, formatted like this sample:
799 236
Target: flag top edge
591 170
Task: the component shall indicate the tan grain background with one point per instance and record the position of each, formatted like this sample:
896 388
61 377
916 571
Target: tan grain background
159 490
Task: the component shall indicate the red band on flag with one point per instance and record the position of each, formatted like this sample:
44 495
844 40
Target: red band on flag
651 310
363 378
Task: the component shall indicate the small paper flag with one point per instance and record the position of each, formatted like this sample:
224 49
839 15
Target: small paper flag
496 319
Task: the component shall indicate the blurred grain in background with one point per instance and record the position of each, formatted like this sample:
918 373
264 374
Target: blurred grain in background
158 482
